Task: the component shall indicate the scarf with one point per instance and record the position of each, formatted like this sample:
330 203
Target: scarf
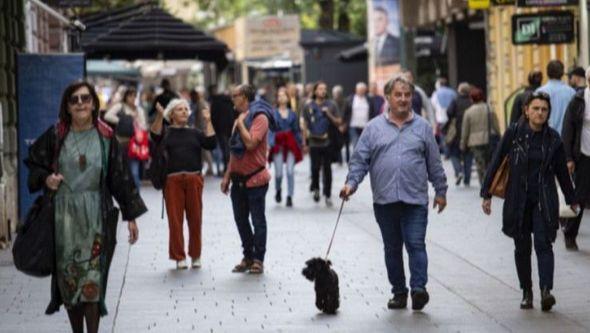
236 144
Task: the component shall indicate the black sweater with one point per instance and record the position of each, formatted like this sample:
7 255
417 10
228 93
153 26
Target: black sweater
183 147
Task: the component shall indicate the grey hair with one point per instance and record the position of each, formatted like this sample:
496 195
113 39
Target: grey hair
172 105
397 79
337 89
361 85
464 88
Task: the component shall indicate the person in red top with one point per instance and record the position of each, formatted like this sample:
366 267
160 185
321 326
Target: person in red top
249 176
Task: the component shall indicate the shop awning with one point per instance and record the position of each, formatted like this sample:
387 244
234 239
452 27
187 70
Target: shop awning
146 31
111 68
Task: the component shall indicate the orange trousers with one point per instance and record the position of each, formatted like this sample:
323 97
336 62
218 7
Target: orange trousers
184 193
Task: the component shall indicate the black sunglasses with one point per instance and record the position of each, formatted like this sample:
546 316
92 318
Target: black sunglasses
83 98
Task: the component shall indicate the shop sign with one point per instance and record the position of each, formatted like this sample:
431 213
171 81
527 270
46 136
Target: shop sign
503 2
541 3
478 4
543 28
72 3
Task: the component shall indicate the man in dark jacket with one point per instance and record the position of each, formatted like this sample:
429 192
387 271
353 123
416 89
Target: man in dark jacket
576 141
535 78
577 78
163 99
461 161
222 119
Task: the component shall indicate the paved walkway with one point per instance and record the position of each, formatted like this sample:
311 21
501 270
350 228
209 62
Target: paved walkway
472 280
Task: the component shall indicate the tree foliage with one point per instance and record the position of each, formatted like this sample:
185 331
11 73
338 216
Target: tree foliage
344 15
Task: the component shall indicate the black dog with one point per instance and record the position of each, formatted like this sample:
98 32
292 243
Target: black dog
327 294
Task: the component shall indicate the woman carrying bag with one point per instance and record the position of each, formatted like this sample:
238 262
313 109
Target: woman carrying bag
131 130
535 156
81 161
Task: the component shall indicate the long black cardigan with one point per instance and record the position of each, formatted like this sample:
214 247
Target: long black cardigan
117 182
515 144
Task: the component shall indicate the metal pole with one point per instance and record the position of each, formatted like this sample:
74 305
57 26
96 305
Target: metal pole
584 44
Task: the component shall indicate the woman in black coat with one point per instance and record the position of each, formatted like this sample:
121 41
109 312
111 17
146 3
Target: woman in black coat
80 161
536 156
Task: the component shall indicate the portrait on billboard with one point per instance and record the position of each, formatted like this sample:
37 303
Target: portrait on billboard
386 40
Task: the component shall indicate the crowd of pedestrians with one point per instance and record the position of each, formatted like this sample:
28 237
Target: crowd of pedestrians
399 138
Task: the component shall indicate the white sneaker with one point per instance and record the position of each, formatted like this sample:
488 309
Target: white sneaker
196 263
181 264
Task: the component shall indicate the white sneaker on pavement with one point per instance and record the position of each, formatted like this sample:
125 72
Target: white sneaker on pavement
329 202
196 263
181 264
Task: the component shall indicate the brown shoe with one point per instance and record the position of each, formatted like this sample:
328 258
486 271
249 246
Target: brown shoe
243 266
257 267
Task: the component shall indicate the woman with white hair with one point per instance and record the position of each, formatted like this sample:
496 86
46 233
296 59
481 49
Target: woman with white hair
181 146
576 141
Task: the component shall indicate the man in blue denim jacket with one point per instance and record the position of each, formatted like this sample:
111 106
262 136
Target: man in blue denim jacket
399 151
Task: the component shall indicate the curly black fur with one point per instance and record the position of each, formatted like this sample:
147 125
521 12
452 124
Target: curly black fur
327 294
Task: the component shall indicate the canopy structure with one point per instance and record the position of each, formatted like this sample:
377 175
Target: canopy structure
146 31
111 68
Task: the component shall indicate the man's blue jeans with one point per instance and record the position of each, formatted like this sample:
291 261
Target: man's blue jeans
400 224
248 202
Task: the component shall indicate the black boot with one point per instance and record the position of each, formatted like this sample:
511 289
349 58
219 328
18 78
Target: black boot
527 299
278 196
289 202
570 244
419 299
547 300
399 301
316 195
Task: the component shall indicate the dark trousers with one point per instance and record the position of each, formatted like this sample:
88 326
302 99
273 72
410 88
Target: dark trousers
571 226
400 224
223 143
248 202
321 159
534 222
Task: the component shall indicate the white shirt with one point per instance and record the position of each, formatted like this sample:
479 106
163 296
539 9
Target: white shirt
360 112
585 139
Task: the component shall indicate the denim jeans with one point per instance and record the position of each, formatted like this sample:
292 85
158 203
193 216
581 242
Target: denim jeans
462 162
278 160
400 224
134 167
248 202
534 222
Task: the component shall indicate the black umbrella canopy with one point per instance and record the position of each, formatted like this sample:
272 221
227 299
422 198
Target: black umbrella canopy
146 31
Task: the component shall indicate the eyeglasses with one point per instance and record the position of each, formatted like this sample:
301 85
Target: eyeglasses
83 98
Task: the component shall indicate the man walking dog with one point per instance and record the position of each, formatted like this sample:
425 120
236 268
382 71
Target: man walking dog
400 153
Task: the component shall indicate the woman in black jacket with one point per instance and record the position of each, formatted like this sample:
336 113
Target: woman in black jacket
536 156
81 162
576 141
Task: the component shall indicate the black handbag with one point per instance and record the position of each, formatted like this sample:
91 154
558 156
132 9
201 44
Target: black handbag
34 247
125 127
